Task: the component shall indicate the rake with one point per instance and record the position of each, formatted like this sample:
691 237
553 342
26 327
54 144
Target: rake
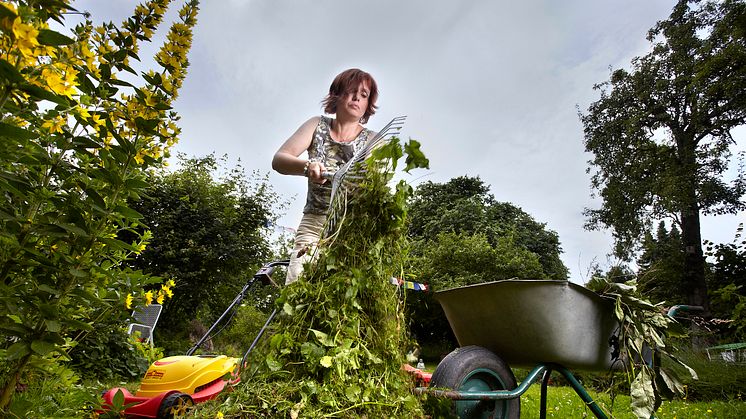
351 171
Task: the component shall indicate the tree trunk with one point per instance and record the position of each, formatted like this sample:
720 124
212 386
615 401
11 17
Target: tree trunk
6 393
693 281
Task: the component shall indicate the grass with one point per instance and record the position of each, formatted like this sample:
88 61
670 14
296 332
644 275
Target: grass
563 402
45 401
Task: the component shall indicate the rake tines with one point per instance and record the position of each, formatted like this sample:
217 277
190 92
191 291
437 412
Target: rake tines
338 200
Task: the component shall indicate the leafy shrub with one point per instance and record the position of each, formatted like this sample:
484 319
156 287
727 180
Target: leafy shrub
110 354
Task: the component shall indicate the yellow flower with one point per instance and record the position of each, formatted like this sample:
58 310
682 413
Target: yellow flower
54 125
139 157
166 289
219 415
25 37
171 283
128 301
58 84
140 248
149 298
161 297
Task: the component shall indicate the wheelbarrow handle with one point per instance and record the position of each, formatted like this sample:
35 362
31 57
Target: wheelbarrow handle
674 310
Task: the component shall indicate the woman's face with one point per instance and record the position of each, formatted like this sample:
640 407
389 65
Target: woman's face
355 101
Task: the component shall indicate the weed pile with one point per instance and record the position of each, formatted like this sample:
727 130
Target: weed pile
339 341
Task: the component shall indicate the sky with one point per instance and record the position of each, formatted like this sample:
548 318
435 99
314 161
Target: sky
491 88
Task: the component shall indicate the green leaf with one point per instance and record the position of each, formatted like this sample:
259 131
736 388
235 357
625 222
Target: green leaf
78 273
85 84
118 399
85 142
77 324
12 131
17 351
117 244
46 288
273 364
136 184
288 309
53 326
37 92
642 395
10 73
618 312
672 382
6 13
128 212
323 338
415 157
72 229
53 39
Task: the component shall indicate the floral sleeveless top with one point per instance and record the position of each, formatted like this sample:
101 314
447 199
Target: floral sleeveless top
332 155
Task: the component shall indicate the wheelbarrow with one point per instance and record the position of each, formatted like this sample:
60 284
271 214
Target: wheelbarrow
541 324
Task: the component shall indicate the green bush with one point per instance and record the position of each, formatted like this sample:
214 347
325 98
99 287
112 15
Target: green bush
110 354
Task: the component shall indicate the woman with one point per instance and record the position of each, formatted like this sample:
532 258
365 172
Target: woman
330 142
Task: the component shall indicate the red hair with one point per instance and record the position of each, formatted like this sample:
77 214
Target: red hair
344 83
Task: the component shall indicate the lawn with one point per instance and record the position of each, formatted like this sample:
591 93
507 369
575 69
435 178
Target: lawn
563 402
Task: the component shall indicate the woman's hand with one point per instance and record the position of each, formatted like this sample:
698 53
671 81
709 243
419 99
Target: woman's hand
315 172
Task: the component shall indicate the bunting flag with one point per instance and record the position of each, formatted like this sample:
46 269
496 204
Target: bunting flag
410 285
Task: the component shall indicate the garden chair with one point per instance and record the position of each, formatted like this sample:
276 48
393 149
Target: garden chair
144 320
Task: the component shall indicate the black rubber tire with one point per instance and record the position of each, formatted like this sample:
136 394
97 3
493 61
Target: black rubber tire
175 405
477 369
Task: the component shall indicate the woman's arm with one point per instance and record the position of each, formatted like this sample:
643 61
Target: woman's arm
287 160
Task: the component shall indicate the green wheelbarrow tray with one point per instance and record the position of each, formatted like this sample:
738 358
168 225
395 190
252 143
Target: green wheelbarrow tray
527 322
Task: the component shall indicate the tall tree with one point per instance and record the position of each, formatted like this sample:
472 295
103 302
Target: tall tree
465 206
660 134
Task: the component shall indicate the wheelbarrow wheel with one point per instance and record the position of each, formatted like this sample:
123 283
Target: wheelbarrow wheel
473 368
175 405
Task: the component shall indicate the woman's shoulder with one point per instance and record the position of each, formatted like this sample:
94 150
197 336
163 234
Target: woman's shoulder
314 120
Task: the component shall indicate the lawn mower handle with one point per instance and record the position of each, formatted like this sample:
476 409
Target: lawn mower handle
264 274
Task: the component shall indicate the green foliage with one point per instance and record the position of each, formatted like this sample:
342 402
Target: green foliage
75 141
660 134
339 341
209 234
643 334
54 395
238 336
464 206
727 282
661 266
108 354
454 260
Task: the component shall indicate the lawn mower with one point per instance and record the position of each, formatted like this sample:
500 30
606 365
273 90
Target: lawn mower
172 385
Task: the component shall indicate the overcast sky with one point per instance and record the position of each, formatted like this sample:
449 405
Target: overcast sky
490 88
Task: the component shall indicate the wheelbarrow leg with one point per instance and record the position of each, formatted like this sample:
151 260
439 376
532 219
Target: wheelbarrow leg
544 384
581 392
